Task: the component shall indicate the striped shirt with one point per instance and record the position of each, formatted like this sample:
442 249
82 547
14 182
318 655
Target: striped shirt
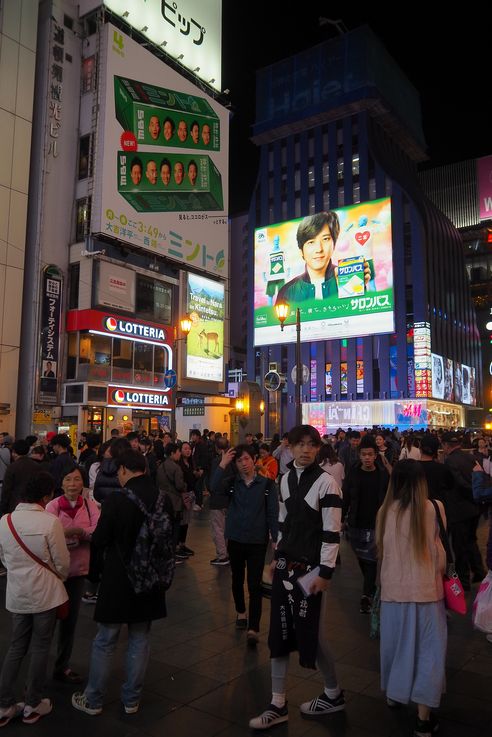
310 516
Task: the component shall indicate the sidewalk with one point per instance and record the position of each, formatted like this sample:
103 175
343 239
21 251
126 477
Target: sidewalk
203 681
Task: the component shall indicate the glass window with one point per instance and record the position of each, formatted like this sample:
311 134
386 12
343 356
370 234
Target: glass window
72 356
83 216
122 360
143 361
88 74
85 157
73 286
153 299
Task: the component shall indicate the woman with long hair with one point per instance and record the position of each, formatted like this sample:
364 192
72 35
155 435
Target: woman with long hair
410 448
413 617
331 463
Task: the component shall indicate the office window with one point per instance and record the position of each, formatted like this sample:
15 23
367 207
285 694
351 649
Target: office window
83 216
88 74
85 157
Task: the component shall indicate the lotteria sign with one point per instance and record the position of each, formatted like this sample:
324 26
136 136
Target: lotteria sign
138 398
103 323
134 329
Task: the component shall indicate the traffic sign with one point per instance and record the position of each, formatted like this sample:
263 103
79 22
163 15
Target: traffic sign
170 379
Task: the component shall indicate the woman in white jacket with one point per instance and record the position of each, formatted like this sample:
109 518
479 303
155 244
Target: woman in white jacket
33 595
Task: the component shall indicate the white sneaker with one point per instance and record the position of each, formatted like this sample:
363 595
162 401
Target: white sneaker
32 714
131 709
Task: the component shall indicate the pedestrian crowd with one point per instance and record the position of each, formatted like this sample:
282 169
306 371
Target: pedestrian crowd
106 523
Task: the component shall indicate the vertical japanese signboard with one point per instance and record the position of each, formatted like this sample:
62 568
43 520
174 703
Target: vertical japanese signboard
51 299
422 357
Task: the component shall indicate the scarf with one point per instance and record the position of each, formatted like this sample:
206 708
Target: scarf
65 505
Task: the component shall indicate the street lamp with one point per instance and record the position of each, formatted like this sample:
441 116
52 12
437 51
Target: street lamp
282 309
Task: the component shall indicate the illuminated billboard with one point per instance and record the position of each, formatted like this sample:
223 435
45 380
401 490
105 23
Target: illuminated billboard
205 342
188 30
161 173
336 267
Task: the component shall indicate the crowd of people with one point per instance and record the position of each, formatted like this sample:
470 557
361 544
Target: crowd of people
70 520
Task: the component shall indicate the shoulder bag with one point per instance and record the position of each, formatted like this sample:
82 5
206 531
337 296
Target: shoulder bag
453 589
61 609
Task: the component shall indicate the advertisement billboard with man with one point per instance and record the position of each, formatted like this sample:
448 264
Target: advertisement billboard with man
336 266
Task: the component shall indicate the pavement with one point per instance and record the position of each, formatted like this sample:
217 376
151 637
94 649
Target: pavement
202 680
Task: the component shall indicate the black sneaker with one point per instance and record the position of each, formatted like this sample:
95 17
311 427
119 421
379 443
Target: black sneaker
270 717
426 728
219 562
188 551
365 605
241 623
323 705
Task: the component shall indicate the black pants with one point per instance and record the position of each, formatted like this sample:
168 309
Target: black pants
66 627
466 552
252 556
369 570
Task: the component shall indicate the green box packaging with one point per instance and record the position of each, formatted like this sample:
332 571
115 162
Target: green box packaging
351 281
169 182
161 117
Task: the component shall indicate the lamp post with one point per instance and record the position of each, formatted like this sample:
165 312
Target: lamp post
185 325
282 309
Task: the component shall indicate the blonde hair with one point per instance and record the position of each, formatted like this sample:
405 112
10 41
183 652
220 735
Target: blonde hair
408 488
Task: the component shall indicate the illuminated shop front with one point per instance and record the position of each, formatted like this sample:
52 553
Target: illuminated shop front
327 417
116 372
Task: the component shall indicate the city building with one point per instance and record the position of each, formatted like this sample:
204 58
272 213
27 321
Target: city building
127 225
18 29
462 191
387 328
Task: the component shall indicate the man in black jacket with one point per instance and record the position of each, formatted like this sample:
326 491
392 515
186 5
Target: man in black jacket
117 603
309 537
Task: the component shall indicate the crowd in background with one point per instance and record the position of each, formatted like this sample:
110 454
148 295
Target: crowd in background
381 478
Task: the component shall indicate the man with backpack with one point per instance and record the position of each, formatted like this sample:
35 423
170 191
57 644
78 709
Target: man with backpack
132 575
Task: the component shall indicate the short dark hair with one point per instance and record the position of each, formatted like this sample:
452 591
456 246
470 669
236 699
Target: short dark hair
40 485
368 441
118 446
21 447
75 467
311 225
131 435
165 162
354 434
31 439
62 440
136 161
429 446
195 432
301 431
115 432
132 460
39 451
93 440
171 448
243 448
264 446
192 161
169 120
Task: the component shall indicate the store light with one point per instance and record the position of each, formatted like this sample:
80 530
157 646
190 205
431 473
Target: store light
125 418
110 418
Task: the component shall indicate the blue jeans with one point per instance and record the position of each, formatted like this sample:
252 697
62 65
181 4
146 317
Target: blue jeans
34 631
137 657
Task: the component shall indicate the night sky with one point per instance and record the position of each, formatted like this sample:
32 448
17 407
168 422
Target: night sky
447 60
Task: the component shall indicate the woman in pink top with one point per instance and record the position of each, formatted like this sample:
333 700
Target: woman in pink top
79 516
413 617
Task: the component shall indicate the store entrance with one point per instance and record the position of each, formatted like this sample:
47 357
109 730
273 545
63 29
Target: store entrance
150 422
95 420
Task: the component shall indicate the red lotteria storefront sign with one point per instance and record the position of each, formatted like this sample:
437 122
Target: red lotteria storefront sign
103 323
139 398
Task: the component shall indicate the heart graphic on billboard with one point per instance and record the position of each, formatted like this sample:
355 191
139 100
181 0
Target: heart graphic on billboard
119 396
111 324
362 237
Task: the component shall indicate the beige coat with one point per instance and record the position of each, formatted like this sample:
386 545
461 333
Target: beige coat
31 588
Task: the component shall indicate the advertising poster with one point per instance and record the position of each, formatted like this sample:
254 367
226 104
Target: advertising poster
51 296
437 376
360 376
336 266
205 342
448 380
484 180
468 379
161 181
328 379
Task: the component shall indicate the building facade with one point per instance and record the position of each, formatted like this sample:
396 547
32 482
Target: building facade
339 128
127 230
462 191
18 28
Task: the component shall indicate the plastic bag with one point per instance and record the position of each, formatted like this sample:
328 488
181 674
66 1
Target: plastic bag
482 606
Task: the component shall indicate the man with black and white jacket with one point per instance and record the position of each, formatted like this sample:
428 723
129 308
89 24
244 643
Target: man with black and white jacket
310 521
